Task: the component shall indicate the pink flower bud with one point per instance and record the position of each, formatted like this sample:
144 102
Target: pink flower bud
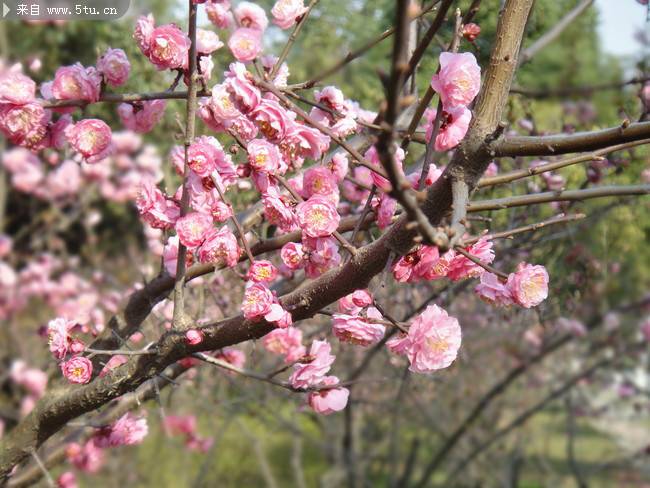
194 337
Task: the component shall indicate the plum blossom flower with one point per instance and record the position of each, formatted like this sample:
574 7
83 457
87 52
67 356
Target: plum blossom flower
144 26
194 337
59 338
433 340
453 126
114 66
16 88
458 80
245 44
201 158
313 369
354 302
271 118
251 16
329 400
75 83
471 31
528 284
91 138
358 330
207 41
24 125
292 255
373 157
339 165
257 301
193 229
221 105
492 290
461 267
88 458
141 117
286 12
220 247
319 180
317 217
416 265
128 430
32 379
262 271
77 370
264 156
305 142
168 47
155 208
220 14
323 254
67 480
287 341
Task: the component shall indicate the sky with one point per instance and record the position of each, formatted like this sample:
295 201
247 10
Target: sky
619 20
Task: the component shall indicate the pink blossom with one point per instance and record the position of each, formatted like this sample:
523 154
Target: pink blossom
315 366
287 341
418 264
305 142
24 125
220 247
286 12
238 83
16 88
251 16
454 123
385 210
193 229
141 117
461 267
271 118
372 156
222 107
67 480
471 31
257 301
207 41
571 326
179 424
114 66
458 80
77 370
220 15
59 337
245 44
292 255
128 430
32 379
319 180
91 138
317 217
328 400
168 47
155 208
331 97
493 291
528 285
358 330
88 458
356 193
115 361
278 315
194 337
262 271
278 210
201 158
433 340
232 356
144 27
353 303
338 166
6 244
323 255
76 83
264 156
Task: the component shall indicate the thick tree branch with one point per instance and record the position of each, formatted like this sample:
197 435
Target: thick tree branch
569 143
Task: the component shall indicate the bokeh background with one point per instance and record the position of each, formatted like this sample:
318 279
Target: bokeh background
597 433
